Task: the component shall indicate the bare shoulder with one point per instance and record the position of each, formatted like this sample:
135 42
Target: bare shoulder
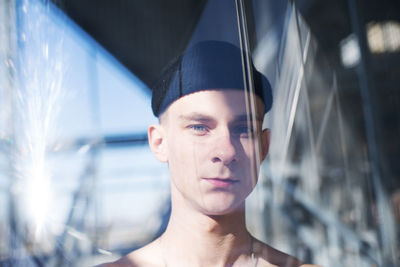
139 258
269 256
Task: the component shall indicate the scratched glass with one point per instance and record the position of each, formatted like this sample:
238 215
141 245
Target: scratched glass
81 182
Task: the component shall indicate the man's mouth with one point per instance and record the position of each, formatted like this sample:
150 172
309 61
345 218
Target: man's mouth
221 182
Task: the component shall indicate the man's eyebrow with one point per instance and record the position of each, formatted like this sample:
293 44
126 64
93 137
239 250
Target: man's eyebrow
196 117
243 117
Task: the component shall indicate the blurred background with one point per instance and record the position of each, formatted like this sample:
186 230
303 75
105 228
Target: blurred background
78 183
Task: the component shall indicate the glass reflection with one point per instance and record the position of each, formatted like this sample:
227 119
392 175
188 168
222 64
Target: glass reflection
323 201
79 186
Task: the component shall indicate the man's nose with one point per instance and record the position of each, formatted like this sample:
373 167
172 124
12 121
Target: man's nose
224 149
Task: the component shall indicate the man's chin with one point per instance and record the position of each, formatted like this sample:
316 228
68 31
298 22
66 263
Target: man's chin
221 209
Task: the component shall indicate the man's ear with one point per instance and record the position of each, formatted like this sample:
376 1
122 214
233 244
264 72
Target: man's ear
158 142
265 140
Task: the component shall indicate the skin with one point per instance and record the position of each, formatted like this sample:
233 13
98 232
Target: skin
211 152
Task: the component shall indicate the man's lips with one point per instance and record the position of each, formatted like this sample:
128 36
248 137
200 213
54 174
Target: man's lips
221 182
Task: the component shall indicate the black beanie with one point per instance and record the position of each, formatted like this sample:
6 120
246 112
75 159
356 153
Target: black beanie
208 65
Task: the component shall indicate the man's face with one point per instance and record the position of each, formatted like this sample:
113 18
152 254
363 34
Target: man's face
210 149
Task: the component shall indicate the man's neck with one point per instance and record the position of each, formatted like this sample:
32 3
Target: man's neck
207 240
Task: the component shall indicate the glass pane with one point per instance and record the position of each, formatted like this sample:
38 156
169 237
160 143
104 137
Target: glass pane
73 145
142 132
80 184
326 195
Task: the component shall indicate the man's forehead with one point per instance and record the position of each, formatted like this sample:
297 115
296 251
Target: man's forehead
214 103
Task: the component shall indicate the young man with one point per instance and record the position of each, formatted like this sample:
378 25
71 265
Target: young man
210 146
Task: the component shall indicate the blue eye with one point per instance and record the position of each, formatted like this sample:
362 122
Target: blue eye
242 131
198 128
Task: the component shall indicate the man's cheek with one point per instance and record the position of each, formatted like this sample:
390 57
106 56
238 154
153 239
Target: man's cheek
245 148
